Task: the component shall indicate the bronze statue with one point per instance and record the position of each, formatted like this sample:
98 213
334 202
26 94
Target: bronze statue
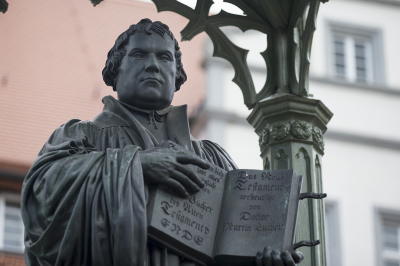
84 198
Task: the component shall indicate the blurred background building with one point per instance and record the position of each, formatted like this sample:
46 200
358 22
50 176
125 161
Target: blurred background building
52 54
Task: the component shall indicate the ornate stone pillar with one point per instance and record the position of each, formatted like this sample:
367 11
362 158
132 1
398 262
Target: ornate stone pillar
291 132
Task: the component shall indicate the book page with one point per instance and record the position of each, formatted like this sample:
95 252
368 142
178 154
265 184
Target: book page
254 212
188 226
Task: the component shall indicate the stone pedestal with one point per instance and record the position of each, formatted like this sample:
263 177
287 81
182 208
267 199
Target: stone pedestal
291 132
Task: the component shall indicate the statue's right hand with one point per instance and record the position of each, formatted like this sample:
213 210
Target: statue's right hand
166 167
275 258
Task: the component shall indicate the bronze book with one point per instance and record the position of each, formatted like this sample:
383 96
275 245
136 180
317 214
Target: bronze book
233 217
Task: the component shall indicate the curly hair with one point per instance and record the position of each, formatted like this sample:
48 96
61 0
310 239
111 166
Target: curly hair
118 51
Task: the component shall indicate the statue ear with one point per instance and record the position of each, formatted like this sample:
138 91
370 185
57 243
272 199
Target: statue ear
115 82
177 82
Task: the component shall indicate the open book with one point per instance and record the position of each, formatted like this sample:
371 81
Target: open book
233 217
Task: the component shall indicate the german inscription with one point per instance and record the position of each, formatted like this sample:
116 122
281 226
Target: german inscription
193 220
256 203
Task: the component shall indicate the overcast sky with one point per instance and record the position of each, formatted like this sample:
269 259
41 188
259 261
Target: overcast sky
215 9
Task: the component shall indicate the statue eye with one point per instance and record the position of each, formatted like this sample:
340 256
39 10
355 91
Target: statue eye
137 55
165 57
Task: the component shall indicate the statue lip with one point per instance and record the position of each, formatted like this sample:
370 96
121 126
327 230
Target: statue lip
151 79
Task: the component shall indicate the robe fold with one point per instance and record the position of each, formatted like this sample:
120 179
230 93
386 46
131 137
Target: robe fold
84 198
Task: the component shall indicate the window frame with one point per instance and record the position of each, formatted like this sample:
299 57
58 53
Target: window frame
383 216
12 198
374 36
332 233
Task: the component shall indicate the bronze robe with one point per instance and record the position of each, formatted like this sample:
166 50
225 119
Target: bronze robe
84 198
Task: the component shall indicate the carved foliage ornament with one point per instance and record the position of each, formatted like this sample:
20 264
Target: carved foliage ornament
318 137
297 129
288 24
3 6
301 129
264 138
280 130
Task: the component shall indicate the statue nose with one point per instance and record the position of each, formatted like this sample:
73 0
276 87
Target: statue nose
152 64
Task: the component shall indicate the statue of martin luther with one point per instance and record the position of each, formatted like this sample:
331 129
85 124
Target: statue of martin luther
84 198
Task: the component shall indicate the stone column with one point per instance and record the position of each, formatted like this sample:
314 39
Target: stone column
291 132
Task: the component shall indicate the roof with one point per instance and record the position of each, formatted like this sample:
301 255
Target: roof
52 54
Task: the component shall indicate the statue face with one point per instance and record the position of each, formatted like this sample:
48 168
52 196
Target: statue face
146 77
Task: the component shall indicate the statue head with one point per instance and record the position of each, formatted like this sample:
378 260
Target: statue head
144 66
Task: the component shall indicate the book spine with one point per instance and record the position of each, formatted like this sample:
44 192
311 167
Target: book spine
219 215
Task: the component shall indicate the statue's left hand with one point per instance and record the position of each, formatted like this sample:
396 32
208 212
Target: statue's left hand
274 258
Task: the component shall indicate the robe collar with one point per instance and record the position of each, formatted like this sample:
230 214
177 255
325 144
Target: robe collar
160 112
154 116
116 114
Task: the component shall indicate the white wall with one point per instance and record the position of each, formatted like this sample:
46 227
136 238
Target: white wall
359 178
358 111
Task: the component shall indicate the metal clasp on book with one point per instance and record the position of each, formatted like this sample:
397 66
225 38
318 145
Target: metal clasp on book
312 195
306 243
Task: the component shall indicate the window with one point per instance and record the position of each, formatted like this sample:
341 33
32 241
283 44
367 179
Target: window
332 234
353 59
388 236
391 244
355 54
11 225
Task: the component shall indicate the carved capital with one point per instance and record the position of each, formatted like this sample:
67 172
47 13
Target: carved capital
297 129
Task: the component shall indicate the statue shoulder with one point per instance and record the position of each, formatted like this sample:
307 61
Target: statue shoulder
72 129
76 128
213 153
108 119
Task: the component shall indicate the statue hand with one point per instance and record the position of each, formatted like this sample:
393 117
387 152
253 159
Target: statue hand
166 167
274 258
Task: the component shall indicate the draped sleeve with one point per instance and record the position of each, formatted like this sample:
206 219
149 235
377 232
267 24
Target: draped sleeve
213 153
82 205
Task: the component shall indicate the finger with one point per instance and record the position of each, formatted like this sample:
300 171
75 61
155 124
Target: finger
297 256
287 258
175 185
189 173
188 159
276 258
267 258
259 259
185 181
